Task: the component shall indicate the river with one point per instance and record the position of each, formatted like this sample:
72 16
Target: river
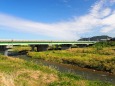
88 74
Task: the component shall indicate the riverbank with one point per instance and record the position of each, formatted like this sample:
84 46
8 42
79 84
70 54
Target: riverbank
88 74
102 59
18 72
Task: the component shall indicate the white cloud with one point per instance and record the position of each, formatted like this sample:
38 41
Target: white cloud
98 17
109 23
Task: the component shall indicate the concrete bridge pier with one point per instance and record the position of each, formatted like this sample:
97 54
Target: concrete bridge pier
42 47
2 49
58 47
6 52
32 47
66 46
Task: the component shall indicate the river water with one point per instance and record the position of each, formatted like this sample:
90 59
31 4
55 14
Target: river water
88 74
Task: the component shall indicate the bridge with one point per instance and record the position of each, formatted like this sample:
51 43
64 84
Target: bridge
42 45
28 42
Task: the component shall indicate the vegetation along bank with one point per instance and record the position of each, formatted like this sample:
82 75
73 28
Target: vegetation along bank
18 72
101 56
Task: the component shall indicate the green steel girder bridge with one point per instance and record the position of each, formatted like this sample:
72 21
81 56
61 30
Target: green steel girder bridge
26 42
5 45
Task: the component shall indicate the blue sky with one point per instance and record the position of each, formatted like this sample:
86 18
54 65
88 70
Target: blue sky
56 19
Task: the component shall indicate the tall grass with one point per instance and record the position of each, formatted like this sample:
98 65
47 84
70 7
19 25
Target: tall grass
17 72
98 59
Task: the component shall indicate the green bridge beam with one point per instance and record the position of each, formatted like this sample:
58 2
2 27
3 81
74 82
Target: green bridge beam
44 42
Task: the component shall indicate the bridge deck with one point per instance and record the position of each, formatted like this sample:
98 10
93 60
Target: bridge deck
5 42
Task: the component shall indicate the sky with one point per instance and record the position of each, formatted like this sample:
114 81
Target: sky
56 19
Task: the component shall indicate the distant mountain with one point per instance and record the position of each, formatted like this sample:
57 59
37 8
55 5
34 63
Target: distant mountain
96 38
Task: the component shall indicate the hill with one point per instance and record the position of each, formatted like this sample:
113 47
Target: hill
96 38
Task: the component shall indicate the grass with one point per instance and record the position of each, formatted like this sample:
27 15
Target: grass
21 48
18 72
91 57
